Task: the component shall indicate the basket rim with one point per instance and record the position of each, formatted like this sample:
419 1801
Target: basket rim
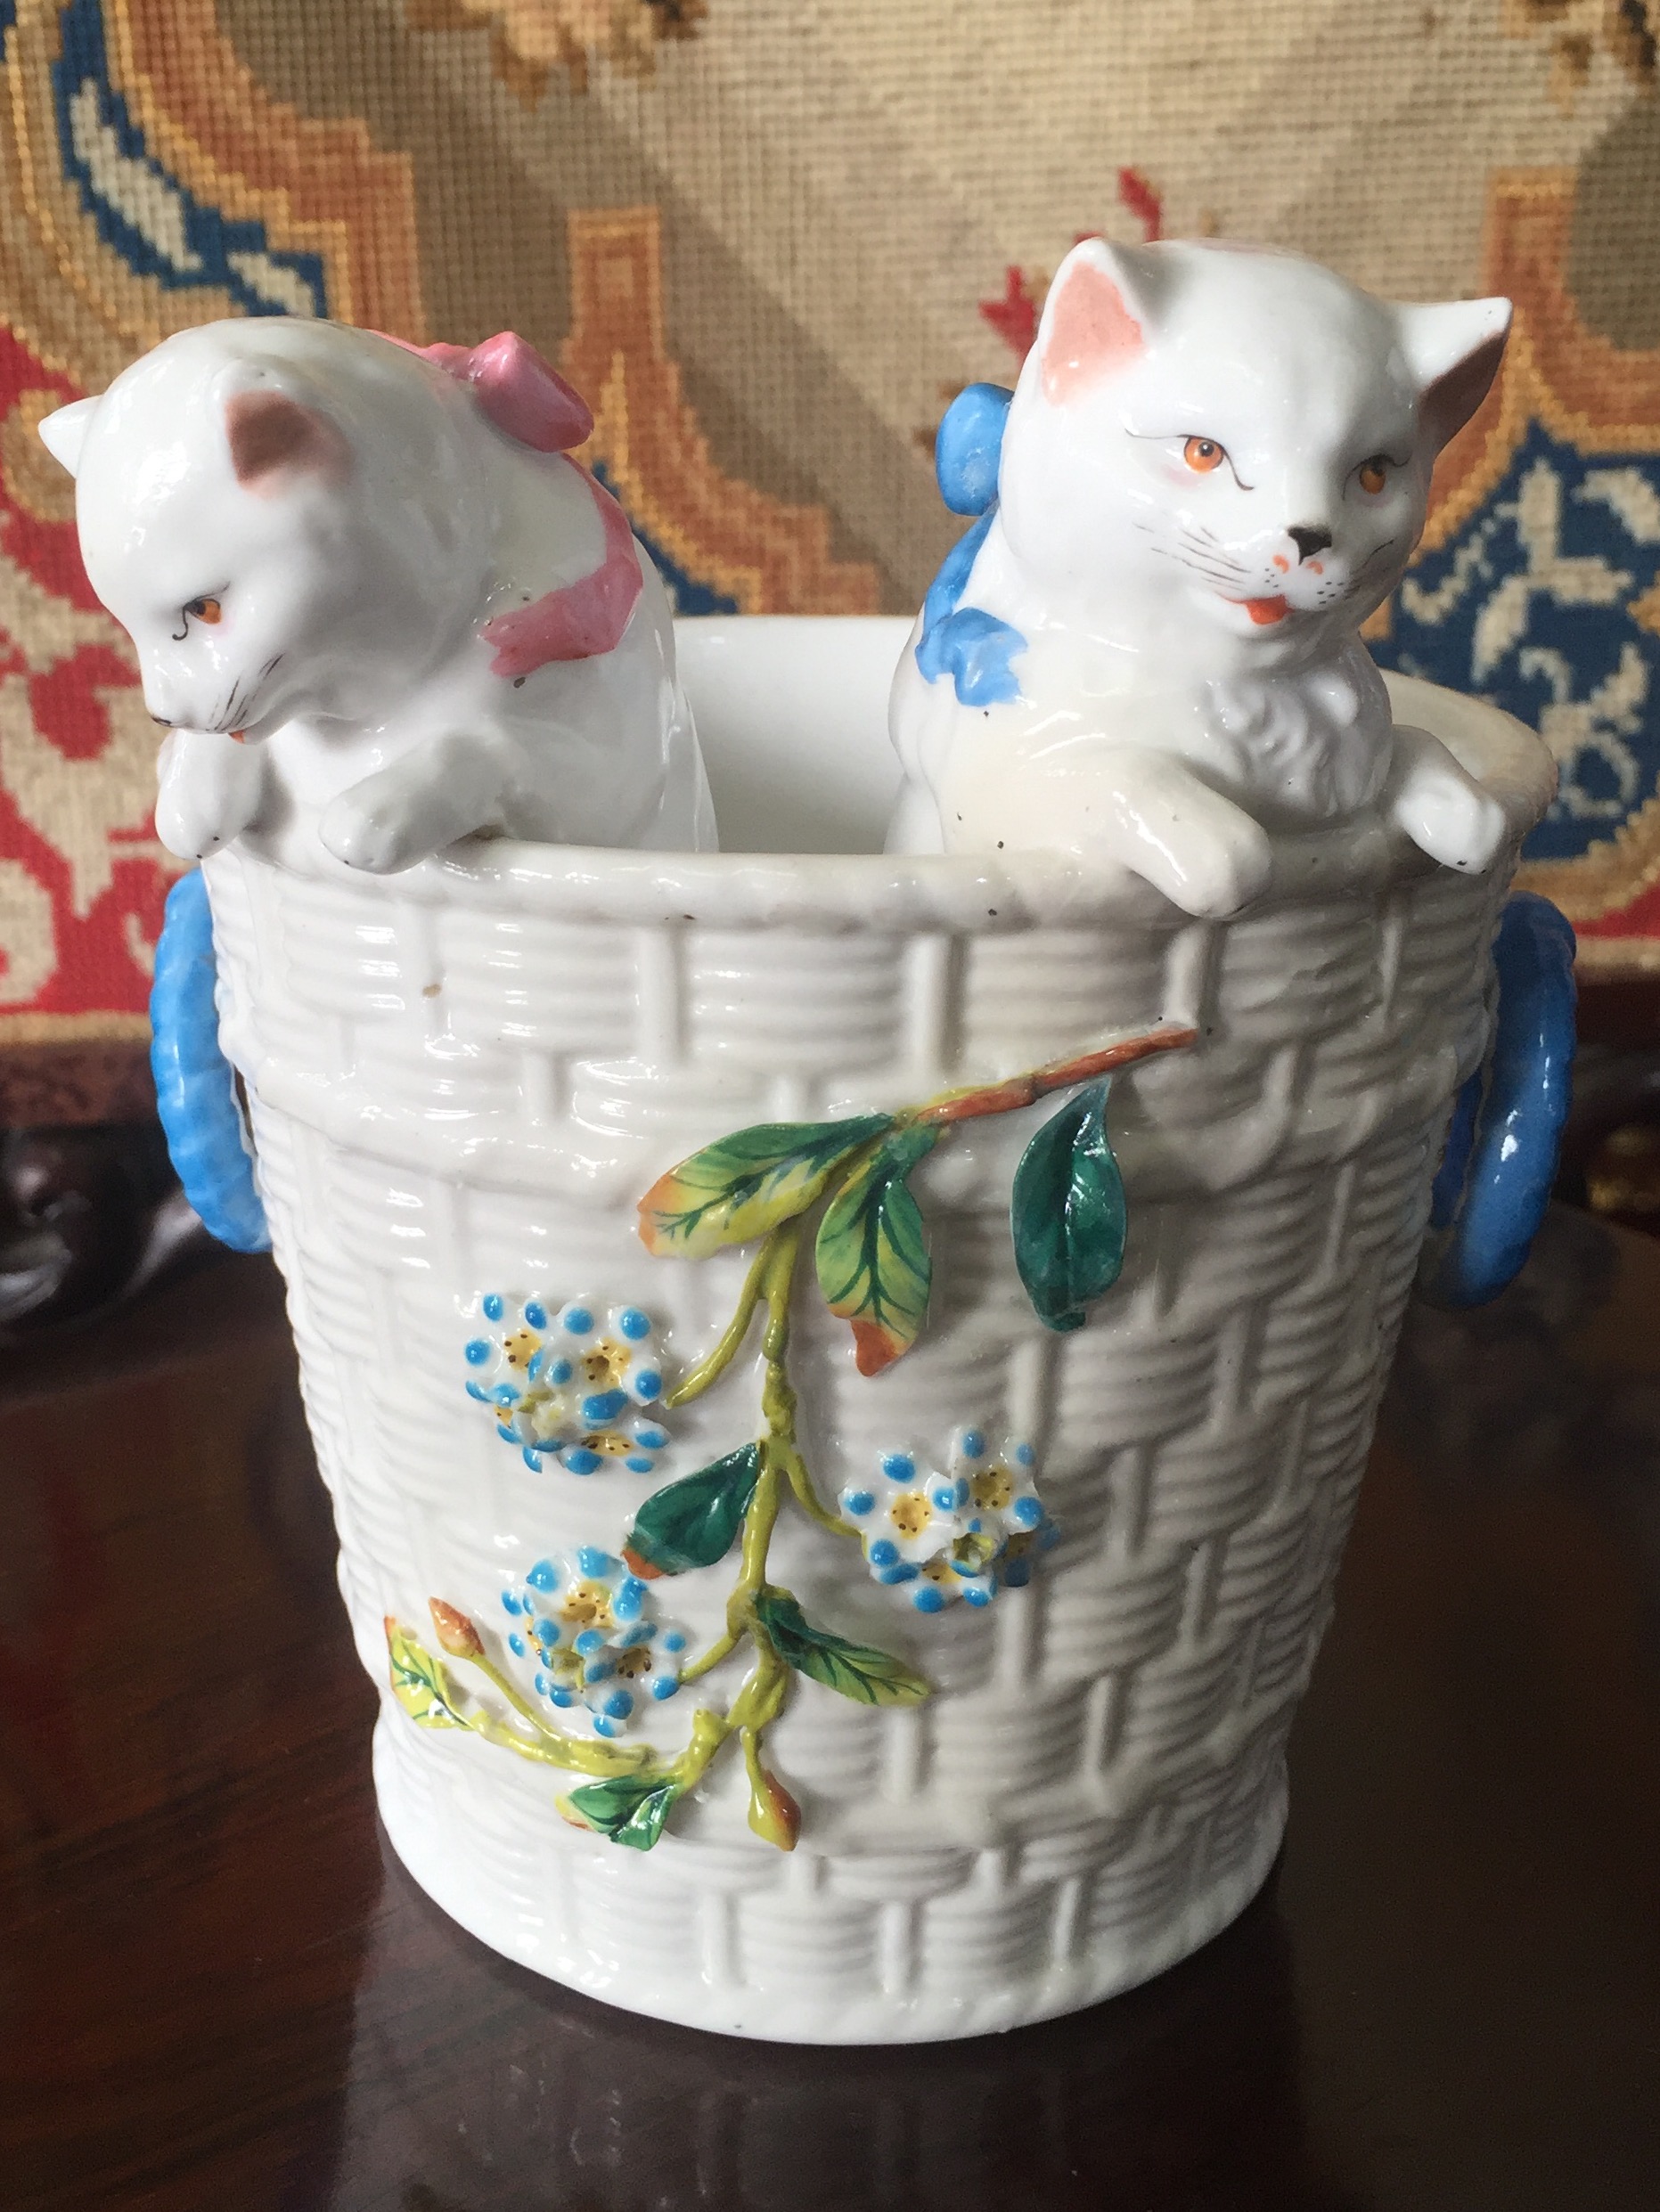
961 893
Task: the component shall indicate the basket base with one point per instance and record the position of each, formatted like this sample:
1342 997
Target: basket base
782 2016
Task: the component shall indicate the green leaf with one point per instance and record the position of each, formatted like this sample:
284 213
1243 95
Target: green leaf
419 1682
694 1522
858 1670
872 1255
1068 1213
631 1810
747 1183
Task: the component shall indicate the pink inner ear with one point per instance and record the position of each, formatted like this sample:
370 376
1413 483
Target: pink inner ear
273 436
1091 331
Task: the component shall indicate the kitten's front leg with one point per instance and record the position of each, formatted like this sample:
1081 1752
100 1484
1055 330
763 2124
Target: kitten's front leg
211 789
442 790
1103 798
1205 853
1444 810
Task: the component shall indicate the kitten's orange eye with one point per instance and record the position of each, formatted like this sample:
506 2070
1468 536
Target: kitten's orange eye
204 609
1203 454
1374 474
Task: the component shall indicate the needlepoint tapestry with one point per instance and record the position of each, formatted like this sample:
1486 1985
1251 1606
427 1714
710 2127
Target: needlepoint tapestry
770 244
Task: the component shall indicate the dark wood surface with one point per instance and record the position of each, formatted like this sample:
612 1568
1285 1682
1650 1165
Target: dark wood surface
217 1989
75 1082
90 1218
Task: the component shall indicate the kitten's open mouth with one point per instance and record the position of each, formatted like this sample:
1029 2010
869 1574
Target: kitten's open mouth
1263 611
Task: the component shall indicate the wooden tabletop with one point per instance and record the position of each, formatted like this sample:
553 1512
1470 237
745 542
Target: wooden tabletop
218 1989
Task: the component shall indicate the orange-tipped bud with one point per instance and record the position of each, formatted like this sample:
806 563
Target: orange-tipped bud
642 1567
773 1814
457 1633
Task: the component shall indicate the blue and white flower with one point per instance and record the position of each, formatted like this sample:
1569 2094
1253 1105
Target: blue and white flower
963 1534
569 1381
968 1570
905 1515
588 1626
1002 1484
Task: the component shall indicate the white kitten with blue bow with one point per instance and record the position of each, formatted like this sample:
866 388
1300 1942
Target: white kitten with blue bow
1214 468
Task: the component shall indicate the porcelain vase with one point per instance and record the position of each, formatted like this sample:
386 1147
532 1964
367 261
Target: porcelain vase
461 1081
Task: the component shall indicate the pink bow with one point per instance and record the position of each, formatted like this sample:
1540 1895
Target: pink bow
518 390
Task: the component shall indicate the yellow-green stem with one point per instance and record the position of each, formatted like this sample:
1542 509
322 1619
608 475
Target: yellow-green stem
756 1773
759 1522
770 1278
801 1483
757 1703
551 1747
514 1695
709 1731
762 1697
722 1647
715 1364
777 1397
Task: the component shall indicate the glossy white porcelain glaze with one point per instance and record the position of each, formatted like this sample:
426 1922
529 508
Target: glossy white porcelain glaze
377 607
463 1081
1215 469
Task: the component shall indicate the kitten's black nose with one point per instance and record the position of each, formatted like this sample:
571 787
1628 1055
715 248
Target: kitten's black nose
1309 542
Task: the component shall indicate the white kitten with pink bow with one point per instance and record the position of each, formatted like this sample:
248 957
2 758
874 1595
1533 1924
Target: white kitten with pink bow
1214 468
376 604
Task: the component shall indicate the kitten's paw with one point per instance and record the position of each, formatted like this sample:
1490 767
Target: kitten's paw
189 831
1218 877
209 792
1207 856
1448 815
380 840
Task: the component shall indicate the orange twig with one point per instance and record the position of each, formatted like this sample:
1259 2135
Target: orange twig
1021 1090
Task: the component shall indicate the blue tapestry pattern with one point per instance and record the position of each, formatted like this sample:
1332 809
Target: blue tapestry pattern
157 227
1530 605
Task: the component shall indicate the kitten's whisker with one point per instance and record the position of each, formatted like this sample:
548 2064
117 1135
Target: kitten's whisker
1212 574
1359 576
243 710
1215 558
1215 568
1376 554
1199 568
1188 555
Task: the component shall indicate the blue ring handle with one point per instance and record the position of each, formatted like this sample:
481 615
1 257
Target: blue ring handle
195 1085
1494 1181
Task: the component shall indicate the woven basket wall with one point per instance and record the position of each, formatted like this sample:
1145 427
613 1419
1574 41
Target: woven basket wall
1097 1782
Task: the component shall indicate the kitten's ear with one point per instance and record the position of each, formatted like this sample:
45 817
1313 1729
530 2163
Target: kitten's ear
1453 349
63 432
274 439
1094 319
